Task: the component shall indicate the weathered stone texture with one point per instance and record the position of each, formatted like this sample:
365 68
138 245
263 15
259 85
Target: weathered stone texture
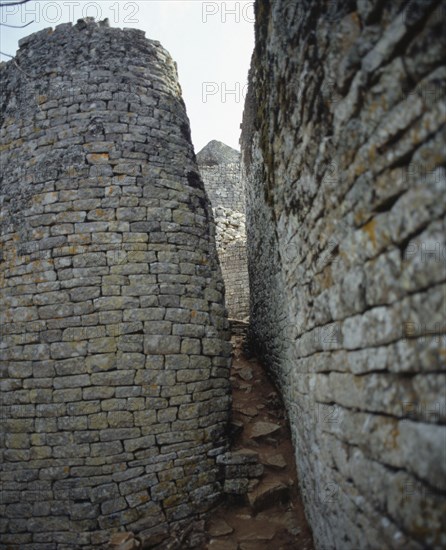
343 151
221 172
114 351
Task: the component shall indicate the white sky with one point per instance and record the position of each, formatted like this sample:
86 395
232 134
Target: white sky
211 41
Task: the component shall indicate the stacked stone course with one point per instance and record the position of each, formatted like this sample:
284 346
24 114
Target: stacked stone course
114 352
221 171
343 151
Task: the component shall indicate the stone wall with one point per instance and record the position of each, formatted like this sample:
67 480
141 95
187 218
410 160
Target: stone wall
220 168
343 151
114 351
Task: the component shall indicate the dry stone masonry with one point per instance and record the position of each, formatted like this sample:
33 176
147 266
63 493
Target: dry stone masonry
221 172
114 350
343 150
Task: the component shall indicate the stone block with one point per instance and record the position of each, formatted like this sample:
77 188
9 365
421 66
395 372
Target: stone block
138 484
75 381
101 361
64 350
161 345
102 345
113 378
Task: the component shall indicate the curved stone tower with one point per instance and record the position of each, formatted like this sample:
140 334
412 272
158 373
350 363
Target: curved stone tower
115 392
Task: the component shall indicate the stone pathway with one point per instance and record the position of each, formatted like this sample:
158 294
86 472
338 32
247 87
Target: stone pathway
270 515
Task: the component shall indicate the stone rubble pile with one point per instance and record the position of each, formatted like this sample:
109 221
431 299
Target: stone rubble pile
230 226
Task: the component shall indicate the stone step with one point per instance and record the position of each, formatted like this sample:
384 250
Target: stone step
267 494
219 528
274 460
262 429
